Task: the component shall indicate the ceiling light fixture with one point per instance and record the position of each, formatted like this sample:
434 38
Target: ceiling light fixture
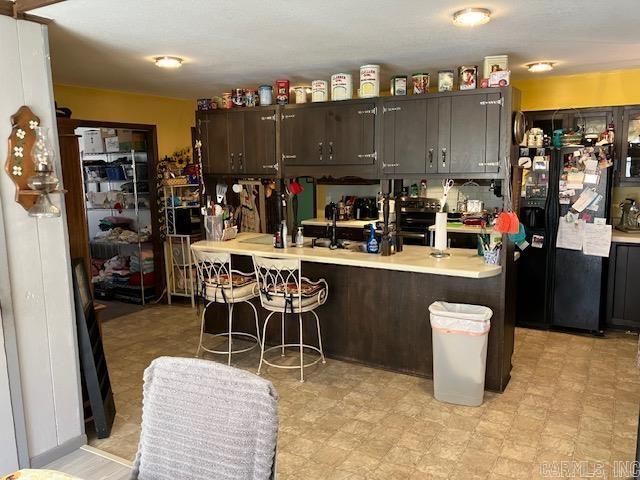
470 17
168 62
538 67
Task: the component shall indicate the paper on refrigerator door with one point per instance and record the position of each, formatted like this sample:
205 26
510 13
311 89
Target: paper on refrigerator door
570 234
597 239
585 199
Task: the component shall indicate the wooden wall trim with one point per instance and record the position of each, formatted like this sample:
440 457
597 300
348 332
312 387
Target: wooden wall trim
18 10
6 8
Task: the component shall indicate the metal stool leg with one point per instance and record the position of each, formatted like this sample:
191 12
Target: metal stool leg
230 306
264 335
301 349
319 336
282 343
204 313
255 314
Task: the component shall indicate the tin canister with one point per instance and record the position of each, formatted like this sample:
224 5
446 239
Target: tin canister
300 94
282 92
266 94
250 97
319 91
237 97
399 85
341 86
468 77
420 83
369 81
227 101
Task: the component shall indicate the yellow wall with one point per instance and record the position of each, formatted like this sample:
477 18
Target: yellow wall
618 87
173 117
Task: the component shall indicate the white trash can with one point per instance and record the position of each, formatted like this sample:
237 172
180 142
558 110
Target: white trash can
459 334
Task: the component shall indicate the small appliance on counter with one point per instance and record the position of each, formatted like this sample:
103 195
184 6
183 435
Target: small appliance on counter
414 217
630 218
365 208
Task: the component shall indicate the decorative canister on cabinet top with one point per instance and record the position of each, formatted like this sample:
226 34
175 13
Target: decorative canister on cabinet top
266 94
341 86
237 97
319 91
445 80
369 81
250 97
282 92
399 85
300 93
420 83
227 101
468 77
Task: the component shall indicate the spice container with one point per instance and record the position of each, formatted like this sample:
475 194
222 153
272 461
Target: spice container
319 91
250 97
237 97
445 80
420 83
468 77
227 101
282 92
300 94
341 86
265 93
369 81
399 85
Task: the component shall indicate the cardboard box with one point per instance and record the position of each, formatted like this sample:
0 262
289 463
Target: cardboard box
112 144
499 79
502 61
93 141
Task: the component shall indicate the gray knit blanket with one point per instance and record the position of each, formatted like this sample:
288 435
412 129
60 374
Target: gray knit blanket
202 420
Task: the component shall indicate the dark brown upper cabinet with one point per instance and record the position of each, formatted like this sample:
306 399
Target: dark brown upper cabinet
239 142
332 134
404 140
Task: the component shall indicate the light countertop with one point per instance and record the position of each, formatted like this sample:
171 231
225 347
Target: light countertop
321 222
461 263
625 237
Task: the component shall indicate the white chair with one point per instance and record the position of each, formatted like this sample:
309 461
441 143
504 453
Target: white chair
283 289
219 283
202 420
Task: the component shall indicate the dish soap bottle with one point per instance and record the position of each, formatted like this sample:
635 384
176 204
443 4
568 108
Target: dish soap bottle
299 238
372 243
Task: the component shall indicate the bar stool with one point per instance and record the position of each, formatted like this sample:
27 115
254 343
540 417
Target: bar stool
219 283
283 289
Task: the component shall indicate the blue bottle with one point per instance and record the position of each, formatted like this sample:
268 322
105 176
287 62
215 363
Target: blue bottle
372 243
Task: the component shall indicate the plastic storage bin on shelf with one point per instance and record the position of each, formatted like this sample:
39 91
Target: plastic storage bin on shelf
460 334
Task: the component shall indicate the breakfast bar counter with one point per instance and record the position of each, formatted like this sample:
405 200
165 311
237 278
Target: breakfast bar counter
377 311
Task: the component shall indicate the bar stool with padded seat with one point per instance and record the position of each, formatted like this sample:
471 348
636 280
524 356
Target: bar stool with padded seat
283 289
219 283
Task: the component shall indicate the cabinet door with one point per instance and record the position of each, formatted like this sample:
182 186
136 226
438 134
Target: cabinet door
235 137
216 148
405 137
632 299
443 152
432 135
303 135
350 138
468 133
260 142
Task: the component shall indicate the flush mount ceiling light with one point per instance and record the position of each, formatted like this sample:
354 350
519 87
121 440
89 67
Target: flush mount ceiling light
470 17
168 62
538 67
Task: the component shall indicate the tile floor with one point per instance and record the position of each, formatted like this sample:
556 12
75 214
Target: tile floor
570 398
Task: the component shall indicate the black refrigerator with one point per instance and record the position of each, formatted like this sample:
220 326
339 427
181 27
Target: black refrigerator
559 287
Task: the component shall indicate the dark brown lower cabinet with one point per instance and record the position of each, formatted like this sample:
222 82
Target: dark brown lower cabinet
623 305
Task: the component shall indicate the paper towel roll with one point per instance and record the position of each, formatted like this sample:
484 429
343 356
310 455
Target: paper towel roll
441 231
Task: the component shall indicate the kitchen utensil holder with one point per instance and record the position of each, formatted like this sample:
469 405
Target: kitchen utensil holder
492 257
213 225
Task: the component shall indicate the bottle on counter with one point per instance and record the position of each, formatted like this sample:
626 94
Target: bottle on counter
284 233
277 239
299 238
372 243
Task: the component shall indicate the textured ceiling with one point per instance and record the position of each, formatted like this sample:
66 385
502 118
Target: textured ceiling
231 43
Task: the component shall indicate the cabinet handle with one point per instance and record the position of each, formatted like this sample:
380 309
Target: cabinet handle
391 109
330 150
274 166
320 150
232 162
269 117
289 115
431 158
390 165
489 164
373 110
444 157
373 155
286 157
240 162
493 102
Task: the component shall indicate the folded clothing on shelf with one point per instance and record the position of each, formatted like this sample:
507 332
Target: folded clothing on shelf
121 235
149 279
